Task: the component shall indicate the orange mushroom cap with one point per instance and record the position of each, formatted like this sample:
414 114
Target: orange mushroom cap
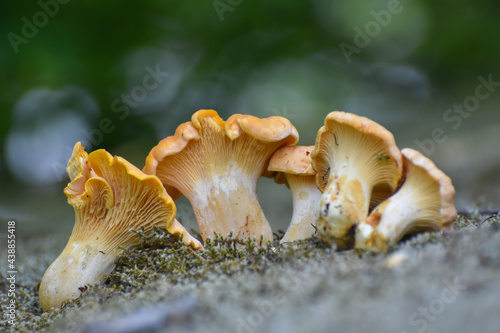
425 202
216 165
358 165
110 196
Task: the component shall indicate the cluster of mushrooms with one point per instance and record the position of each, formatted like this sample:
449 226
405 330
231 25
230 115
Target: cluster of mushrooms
354 187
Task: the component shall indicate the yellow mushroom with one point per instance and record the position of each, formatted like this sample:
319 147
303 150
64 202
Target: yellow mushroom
216 165
110 196
357 165
425 202
292 166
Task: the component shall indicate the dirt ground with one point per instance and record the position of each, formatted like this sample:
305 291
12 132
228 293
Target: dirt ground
433 282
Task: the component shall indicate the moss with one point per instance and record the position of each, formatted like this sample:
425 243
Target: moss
476 218
161 256
164 261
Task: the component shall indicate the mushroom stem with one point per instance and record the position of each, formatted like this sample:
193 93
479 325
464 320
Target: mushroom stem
228 203
79 264
399 220
344 203
306 198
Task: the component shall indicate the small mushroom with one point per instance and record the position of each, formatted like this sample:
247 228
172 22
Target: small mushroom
110 196
357 165
423 203
292 166
216 165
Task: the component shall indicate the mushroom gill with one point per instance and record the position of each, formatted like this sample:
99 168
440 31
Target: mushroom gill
110 196
357 165
425 202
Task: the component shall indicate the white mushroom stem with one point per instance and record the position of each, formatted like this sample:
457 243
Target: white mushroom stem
345 200
406 212
82 263
79 265
306 197
228 203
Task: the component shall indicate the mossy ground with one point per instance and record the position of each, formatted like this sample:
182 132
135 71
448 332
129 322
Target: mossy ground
431 282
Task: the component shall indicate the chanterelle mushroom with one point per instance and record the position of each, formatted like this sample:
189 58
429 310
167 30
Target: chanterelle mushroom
358 165
216 165
424 202
110 196
293 167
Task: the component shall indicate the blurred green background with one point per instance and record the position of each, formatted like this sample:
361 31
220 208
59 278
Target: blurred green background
75 71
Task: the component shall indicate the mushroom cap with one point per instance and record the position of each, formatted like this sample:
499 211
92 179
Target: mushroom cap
223 140
126 187
78 169
77 163
424 202
208 157
293 160
356 135
115 197
118 181
447 209
171 146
